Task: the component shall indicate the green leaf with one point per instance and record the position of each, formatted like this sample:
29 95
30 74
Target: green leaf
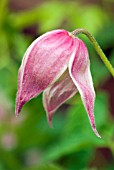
3 11
45 167
77 133
49 15
93 13
4 50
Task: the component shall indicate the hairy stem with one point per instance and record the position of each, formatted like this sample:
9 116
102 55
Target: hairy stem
97 48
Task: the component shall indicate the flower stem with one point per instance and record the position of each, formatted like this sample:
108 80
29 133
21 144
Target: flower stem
97 48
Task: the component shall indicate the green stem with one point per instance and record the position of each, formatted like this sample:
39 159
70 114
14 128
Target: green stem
97 48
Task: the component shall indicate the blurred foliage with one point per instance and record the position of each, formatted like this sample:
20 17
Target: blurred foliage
27 142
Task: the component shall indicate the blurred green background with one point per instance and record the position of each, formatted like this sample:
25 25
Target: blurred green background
27 142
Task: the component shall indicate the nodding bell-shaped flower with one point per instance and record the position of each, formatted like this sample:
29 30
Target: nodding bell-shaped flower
57 64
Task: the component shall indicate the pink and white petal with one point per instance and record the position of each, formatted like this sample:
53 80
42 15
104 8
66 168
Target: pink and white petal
79 68
55 95
41 64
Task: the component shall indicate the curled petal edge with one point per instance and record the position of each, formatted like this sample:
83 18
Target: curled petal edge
83 81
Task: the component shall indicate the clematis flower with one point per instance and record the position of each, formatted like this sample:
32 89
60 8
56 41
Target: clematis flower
57 64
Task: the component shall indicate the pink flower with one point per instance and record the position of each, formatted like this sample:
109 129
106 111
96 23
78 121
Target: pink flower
57 64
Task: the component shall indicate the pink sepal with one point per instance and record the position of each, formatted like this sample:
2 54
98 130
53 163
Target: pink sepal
79 68
42 62
55 95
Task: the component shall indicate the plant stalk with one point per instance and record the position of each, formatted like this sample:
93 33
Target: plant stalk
97 48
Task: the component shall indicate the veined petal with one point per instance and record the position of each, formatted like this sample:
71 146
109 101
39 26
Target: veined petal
42 61
79 68
56 94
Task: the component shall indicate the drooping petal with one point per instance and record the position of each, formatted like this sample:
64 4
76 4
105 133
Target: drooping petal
79 68
56 94
42 62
